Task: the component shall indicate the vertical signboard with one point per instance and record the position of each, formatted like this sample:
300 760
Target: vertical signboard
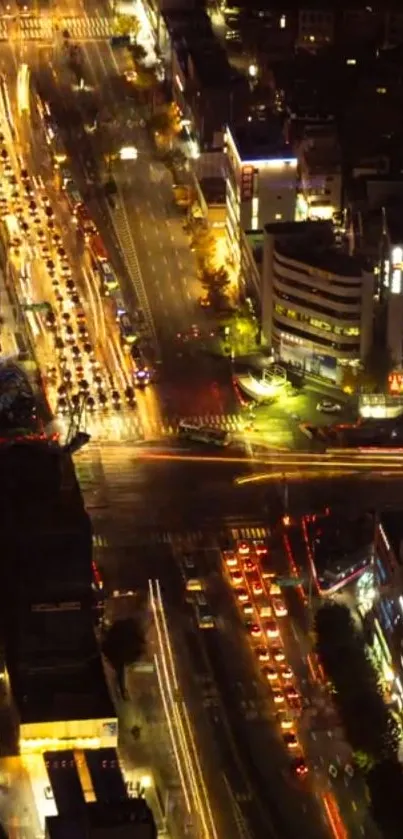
247 183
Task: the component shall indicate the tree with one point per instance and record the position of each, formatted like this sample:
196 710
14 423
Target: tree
377 366
126 25
137 52
165 122
215 283
369 726
123 644
204 245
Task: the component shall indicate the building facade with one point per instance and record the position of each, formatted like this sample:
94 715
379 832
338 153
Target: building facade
319 159
261 182
317 303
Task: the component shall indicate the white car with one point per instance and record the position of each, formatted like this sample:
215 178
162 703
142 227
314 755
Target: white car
327 406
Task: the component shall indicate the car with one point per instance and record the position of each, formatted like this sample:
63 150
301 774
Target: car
260 548
62 405
247 608
236 578
116 399
255 630
242 548
328 406
275 590
90 404
278 697
278 654
286 722
271 629
84 386
299 767
242 594
257 588
130 396
69 334
50 319
292 694
82 331
270 674
249 566
291 741
286 673
280 609
262 653
70 285
59 343
102 399
76 351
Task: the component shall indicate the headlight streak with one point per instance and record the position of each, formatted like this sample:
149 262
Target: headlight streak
181 733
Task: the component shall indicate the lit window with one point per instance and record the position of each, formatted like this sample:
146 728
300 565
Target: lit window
283 22
381 90
278 217
351 61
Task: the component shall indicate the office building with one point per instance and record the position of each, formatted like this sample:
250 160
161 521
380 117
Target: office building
261 181
320 173
207 90
317 302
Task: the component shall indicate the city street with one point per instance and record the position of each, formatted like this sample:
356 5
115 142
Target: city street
153 501
142 530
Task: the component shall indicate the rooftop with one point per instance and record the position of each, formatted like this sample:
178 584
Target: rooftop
340 545
194 40
133 813
261 140
73 694
213 190
312 243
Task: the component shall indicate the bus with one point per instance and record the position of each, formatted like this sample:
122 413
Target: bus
118 303
85 222
59 155
204 434
127 332
205 618
108 278
74 199
98 250
66 178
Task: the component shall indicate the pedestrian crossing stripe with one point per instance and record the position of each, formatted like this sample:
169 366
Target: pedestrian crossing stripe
250 533
169 537
99 541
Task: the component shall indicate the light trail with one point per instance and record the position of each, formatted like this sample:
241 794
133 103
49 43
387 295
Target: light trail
23 89
201 783
294 460
185 750
171 733
333 816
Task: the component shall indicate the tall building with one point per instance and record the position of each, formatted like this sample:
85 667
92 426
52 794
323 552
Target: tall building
261 181
317 302
319 158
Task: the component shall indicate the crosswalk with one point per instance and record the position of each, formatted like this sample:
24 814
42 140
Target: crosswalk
37 28
86 28
153 536
129 426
